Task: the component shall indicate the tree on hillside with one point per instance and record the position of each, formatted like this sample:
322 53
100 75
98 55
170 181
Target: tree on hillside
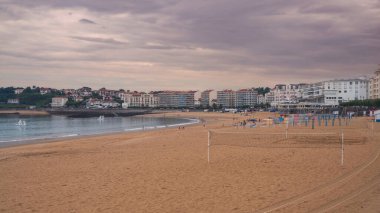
6 93
262 90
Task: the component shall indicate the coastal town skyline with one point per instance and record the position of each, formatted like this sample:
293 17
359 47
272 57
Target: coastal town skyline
329 93
178 45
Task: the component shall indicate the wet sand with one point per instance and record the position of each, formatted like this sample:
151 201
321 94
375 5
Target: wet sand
167 171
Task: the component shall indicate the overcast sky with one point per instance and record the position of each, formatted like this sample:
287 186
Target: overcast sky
198 44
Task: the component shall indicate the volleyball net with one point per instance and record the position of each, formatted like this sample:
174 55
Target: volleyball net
285 139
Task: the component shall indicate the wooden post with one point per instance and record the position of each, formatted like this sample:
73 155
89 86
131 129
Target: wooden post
286 133
208 147
342 154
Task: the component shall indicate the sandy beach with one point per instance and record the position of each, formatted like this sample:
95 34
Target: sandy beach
167 170
24 112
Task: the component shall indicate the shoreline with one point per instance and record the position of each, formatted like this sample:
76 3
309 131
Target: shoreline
8 144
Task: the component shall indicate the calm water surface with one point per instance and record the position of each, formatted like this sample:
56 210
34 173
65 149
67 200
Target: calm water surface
48 127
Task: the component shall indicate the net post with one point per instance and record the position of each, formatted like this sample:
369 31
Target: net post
286 133
208 146
342 150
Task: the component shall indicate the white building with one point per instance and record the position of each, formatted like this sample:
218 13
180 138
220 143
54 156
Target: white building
142 99
19 90
59 101
269 97
207 97
246 98
226 98
13 101
283 94
175 99
239 98
334 92
261 99
374 86
101 104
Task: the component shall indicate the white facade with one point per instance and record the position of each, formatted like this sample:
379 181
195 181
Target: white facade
239 98
282 93
101 104
13 101
261 99
59 101
334 92
246 97
269 97
226 98
205 98
140 100
19 91
346 90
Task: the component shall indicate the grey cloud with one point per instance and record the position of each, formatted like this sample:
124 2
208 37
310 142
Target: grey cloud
326 9
273 36
110 6
99 40
86 21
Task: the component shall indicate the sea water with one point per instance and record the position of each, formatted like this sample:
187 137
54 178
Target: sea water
49 127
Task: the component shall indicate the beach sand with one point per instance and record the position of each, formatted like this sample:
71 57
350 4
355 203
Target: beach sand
24 112
166 170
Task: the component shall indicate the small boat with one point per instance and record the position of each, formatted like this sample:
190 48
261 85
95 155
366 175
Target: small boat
101 118
21 123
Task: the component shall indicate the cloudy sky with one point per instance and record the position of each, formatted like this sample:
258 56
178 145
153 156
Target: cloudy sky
181 44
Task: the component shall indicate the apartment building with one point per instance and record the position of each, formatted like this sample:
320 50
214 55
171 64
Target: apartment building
175 99
374 85
269 97
205 98
334 92
285 94
208 98
261 99
246 98
237 99
140 99
226 98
